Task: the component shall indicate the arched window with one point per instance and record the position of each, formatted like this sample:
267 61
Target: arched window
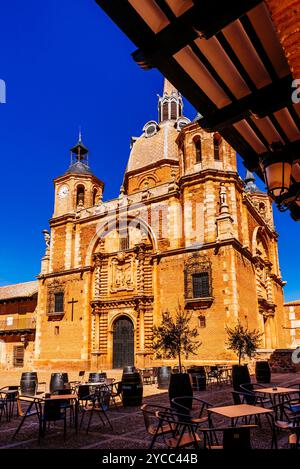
217 145
95 195
173 110
165 111
80 195
198 150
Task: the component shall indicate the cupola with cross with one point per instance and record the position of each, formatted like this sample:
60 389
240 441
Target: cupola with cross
78 188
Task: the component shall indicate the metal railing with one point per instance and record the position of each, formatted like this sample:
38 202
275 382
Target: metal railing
17 324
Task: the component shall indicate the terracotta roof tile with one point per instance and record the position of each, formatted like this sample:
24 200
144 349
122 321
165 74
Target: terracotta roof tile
291 303
18 290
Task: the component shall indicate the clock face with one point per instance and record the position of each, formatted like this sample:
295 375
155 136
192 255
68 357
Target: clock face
63 192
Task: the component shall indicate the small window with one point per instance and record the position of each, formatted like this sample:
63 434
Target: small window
173 110
18 356
201 285
59 302
80 195
95 196
124 242
197 143
56 330
202 321
217 144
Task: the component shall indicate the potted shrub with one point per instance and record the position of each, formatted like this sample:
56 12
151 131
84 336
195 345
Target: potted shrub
244 342
174 338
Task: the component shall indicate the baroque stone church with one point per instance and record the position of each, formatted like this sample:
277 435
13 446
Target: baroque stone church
184 231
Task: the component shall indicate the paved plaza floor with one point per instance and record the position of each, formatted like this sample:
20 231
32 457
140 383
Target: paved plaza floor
128 424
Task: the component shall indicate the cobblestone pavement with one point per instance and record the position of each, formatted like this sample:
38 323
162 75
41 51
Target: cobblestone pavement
128 424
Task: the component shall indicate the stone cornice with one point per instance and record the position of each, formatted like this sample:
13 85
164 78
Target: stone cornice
211 174
77 270
133 301
128 208
212 245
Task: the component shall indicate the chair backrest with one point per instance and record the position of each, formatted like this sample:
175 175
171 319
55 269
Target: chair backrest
83 391
237 437
52 410
248 387
243 397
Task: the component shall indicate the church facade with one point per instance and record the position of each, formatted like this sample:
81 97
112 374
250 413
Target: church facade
186 231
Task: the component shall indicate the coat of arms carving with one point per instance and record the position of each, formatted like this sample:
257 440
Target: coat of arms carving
122 273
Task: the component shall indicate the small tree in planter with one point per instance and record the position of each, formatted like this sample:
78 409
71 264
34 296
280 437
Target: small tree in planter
244 342
174 338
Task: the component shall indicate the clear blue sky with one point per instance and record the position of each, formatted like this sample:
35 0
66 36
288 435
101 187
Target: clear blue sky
66 64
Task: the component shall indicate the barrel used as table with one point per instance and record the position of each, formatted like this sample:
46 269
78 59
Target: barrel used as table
262 372
29 383
58 381
198 377
163 377
97 377
132 389
129 369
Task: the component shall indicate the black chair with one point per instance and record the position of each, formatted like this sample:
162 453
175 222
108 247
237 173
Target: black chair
152 421
232 437
65 403
10 399
52 412
183 431
261 399
75 383
115 393
97 402
3 407
197 411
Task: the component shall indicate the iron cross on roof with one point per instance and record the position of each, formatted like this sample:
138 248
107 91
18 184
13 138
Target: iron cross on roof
72 302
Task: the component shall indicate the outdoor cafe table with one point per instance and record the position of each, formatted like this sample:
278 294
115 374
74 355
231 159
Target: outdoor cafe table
36 401
245 410
277 395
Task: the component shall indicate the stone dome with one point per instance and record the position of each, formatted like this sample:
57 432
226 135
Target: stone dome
147 150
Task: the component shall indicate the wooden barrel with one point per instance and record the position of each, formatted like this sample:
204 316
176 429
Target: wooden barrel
129 369
97 377
132 389
163 377
198 377
29 383
58 381
262 372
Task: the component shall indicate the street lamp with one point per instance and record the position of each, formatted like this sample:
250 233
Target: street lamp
277 168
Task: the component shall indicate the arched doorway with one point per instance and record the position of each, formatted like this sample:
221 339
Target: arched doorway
123 343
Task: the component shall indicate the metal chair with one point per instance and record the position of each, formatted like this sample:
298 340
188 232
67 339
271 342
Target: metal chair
52 412
97 402
115 393
183 431
152 422
232 437
10 399
197 412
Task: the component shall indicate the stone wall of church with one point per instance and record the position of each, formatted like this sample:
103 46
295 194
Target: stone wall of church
63 340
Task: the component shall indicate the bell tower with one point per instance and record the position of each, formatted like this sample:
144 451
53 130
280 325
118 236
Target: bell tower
78 188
